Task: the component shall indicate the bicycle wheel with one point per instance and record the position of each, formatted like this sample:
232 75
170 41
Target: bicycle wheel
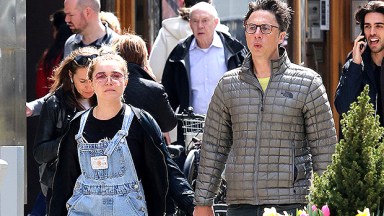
191 165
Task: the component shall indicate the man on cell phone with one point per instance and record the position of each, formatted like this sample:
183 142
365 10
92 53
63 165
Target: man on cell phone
364 64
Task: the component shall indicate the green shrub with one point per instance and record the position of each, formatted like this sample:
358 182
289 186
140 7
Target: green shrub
355 179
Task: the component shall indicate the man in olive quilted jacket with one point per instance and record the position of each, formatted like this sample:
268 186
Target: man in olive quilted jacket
269 123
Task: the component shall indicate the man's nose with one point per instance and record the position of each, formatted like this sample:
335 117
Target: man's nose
373 30
200 24
258 32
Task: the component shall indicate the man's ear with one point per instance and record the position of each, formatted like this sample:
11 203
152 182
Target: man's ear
282 37
217 21
87 11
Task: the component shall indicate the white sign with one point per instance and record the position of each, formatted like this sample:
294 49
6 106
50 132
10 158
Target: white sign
324 14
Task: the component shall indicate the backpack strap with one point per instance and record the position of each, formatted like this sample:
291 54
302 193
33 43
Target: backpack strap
148 123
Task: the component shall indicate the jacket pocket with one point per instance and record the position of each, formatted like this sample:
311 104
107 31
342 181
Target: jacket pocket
303 164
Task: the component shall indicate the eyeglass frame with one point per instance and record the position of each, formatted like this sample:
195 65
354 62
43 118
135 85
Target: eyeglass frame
259 26
109 77
84 60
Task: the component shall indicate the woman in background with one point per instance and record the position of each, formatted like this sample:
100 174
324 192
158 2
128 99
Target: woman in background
71 92
142 90
53 55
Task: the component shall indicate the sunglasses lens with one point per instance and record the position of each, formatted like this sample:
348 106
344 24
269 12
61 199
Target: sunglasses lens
84 60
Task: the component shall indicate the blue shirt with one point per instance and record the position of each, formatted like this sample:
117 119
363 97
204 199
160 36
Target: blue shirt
207 67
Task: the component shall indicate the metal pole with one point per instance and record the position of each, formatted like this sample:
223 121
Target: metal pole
296 32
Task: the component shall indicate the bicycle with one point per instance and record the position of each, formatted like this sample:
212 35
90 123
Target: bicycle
193 126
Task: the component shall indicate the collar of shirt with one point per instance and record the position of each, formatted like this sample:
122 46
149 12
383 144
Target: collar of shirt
216 42
79 38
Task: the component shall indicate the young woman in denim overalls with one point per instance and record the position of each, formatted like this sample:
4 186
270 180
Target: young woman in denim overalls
106 164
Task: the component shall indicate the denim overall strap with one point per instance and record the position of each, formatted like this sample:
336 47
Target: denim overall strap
122 133
79 135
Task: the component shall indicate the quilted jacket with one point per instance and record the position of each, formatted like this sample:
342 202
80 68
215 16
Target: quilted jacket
272 141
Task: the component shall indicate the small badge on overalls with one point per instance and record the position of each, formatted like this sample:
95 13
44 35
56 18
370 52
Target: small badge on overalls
99 162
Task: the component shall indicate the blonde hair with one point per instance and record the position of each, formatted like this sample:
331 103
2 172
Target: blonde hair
111 20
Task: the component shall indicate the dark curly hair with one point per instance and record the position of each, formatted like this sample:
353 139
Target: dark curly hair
282 11
372 6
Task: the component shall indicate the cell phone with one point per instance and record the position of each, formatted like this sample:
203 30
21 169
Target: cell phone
364 40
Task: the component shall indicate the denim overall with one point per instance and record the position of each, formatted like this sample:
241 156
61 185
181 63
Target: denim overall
108 184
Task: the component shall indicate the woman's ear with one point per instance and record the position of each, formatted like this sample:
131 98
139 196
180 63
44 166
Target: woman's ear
70 76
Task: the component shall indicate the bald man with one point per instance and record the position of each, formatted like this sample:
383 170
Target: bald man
83 18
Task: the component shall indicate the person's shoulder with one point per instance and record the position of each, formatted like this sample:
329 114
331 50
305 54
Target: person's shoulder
173 21
176 27
76 118
148 88
72 39
150 83
231 41
223 28
307 76
303 71
141 114
181 49
231 75
111 34
53 99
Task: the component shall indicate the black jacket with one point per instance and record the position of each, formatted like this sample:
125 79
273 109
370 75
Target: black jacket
180 190
53 122
352 81
154 179
177 69
144 93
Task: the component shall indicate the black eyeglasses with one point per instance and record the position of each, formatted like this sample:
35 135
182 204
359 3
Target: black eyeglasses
84 60
264 28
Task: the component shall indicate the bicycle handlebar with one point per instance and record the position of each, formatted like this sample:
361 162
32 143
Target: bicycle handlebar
189 114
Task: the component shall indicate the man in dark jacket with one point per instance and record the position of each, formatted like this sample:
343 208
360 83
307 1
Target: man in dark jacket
196 64
364 64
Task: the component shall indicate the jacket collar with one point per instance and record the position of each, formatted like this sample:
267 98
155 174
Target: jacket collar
230 44
217 42
278 66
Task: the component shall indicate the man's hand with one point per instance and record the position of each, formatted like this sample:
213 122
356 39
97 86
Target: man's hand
203 211
167 138
28 111
358 48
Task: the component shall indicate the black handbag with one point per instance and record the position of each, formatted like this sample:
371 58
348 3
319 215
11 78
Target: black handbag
46 173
